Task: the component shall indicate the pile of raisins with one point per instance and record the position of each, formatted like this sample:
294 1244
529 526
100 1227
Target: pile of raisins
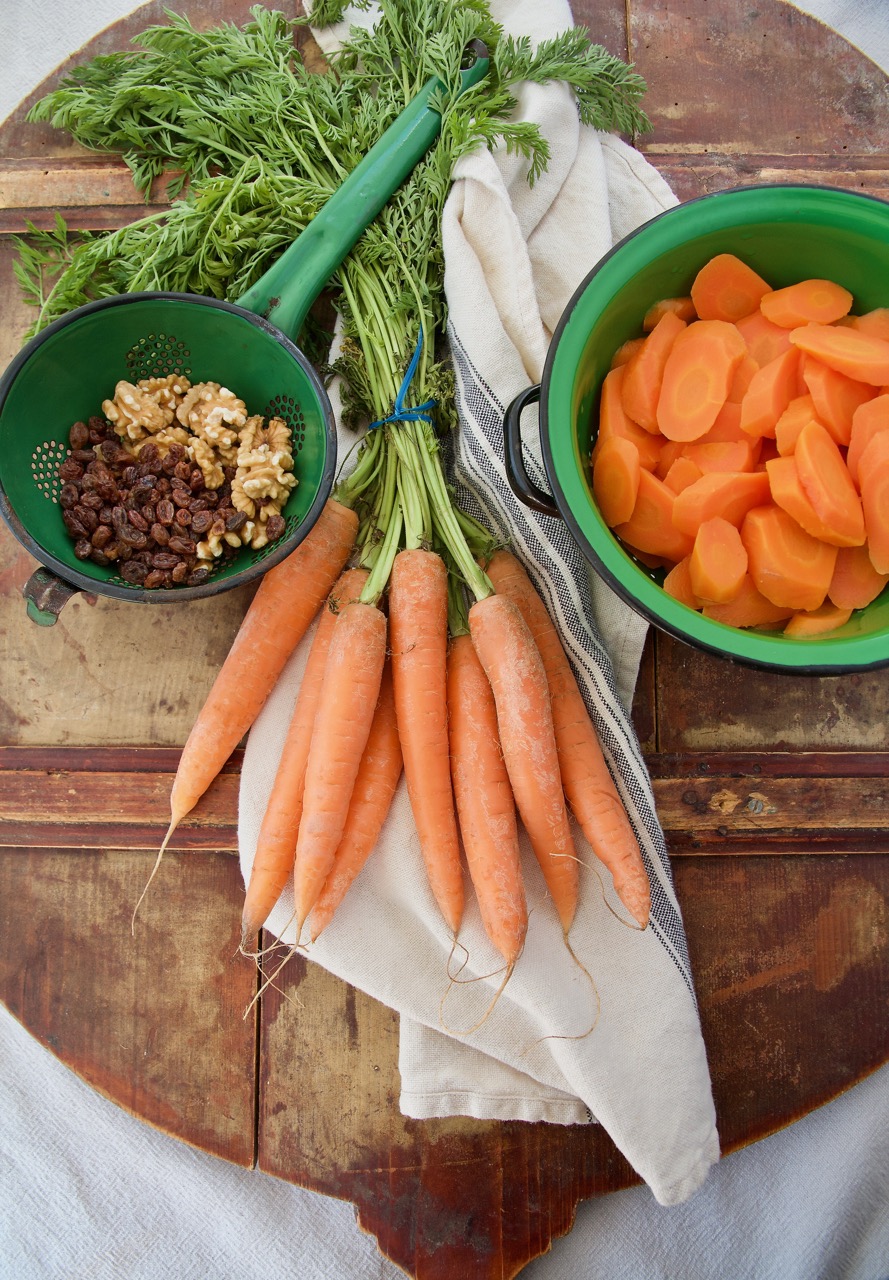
146 514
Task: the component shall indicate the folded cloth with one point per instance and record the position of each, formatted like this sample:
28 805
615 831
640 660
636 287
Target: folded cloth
611 1033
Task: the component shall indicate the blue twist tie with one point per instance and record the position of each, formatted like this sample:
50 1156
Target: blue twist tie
399 412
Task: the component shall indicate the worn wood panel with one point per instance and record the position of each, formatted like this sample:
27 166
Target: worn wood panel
709 704
152 1019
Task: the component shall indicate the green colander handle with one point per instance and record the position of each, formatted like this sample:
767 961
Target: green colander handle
286 292
46 596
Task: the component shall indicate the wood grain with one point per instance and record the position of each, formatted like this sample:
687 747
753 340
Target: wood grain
771 788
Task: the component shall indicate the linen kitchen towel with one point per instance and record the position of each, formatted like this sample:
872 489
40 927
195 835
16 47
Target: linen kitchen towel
612 1033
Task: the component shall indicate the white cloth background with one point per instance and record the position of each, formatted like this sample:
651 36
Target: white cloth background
87 1190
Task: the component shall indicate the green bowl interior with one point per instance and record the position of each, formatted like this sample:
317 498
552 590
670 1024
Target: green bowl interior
76 367
784 233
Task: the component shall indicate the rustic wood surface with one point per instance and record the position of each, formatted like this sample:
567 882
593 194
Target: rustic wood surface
771 788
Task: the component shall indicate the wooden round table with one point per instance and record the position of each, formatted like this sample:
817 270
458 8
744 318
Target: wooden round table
771 788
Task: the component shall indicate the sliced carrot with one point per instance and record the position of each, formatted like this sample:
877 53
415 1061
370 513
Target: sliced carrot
625 351
372 796
875 322
858 355
855 582
697 377
768 450
789 494
485 803
771 390
718 562
873 470
684 308
726 494
276 843
726 288
742 379
645 371
726 427
677 584
515 669
613 421
806 302
764 339
651 527
815 622
589 787
868 419
670 451
683 472
828 485
787 565
798 413
616 472
749 608
835 397
351 687
721 455
418 607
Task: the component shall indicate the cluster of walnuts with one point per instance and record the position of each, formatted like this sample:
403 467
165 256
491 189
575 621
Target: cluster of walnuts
212 424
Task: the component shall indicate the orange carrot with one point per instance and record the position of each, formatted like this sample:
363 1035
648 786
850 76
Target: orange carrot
771 389
651 527
835 397
855 582
858 355
683 472
868 419
806 302
684 308
720 455
717 565
485 803
418 607
726 494
787 491
749 608
697 377
349 692
764 340
828 485
276 844
625 351
514 667
727 289
375 786
787 565
613 421
677 583
874 322
589 787
741 379
873 470
644 372
814 622
616 479
798 413
289 597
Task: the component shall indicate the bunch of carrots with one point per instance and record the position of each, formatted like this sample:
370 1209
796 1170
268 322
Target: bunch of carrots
434 656
743 447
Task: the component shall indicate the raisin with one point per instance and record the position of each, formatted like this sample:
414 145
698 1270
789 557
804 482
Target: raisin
164 560
235 522
155 578
132 537
83 548
201 521
180 573
69 495
130 474
92 501
274 527
78 436
134 571
196 480
99 557
198 576
181 497
83 455
138 521
182 470
70 470
88 518
101 537
182 546
183 517
160 535
165 511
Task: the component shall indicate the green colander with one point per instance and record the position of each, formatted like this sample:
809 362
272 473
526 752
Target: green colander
65 372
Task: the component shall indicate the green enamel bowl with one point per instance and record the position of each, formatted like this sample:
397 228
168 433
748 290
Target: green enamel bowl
786 233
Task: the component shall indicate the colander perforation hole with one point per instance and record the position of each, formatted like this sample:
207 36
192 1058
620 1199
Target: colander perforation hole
288 409
45 462
157 355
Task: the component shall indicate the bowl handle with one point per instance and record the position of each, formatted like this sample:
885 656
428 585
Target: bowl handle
520 482
47 595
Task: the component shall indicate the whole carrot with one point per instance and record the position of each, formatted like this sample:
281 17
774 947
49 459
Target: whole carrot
289 596
276 844
514 667
589 786
352 676
418 611
372 795
485 803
